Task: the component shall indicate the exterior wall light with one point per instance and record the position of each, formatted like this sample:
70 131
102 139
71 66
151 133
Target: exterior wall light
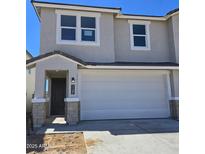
72 80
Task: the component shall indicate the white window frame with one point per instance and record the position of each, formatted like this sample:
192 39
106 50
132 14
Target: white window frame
78 40
147 36
82 28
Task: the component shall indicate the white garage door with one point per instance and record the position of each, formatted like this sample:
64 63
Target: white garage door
123 94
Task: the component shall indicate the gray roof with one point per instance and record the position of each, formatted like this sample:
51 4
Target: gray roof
115 8
29 54
99 63
100 7
173 11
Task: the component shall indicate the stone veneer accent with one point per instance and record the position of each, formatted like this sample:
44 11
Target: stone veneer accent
72 112
39 114
174 109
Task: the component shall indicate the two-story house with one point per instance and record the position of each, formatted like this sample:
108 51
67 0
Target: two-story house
97 63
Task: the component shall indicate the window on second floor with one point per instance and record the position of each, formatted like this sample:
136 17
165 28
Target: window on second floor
77 28
68 27
88 28
139 35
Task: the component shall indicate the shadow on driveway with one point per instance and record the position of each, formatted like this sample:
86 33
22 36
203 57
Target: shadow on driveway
116 127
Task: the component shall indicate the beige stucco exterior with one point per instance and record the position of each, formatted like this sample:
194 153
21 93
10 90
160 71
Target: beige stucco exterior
115 40
56 63
30 85
173 36
158 41
102 53
175 20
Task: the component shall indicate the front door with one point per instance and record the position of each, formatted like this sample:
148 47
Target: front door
58 93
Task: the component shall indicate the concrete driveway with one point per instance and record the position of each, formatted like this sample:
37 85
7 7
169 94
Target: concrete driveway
150 136
159 136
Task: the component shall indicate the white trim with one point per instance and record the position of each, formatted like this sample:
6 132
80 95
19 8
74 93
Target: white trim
87 8
170 15
141 17
140 22
78 28
71 99
46 58
121 16
40 100
72 7
79 83
134 67
147 36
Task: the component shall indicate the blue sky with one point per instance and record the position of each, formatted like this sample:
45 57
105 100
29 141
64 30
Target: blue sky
143 7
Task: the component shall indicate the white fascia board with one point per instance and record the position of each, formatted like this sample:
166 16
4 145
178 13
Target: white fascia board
135 67
70 7
138 17
121 16
170 15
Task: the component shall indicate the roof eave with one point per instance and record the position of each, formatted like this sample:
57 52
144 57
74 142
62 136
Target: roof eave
31 56
32 63
148 17
73 7
140 17
170 15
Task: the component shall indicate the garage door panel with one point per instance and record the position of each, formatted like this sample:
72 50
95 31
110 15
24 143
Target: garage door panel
122 114
122 94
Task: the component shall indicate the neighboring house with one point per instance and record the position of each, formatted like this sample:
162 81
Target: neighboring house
97 63
30 84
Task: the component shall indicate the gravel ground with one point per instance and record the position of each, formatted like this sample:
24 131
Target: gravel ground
56 144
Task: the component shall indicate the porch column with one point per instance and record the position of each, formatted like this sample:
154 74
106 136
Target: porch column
39 103
39 82
72 106
174 108
174 99
72 102
39 112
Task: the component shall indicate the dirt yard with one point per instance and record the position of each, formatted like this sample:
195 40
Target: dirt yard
56 144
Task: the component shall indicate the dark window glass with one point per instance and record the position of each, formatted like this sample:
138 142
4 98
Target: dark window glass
88 22
139 29
139 41
72 89
69 21
88 35
67 34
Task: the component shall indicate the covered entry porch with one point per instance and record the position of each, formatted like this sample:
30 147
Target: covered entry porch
56 90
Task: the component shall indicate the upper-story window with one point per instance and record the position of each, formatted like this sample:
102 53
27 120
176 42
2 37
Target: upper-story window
88 28
77 28
68 27
139 35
